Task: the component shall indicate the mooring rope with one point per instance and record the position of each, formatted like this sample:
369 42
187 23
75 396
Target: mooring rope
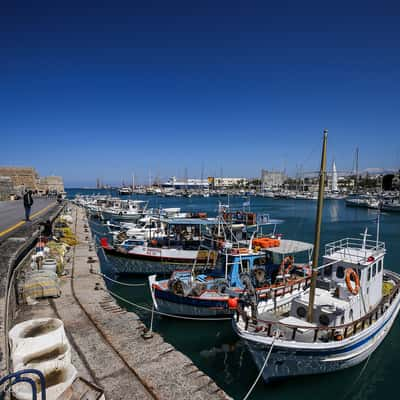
357 379
120 283
263 367
162 313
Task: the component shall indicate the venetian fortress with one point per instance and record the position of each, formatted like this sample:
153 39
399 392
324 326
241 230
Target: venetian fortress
14 180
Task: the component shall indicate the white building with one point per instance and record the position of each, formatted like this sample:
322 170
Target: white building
272 179
190 183
229 182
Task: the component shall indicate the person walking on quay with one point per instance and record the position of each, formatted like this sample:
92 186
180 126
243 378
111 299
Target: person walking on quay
28 201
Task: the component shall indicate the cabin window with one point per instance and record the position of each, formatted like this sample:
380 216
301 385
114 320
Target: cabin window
351 314
380 263
324 320
301 312
374 270
342 320
340 272
328 271
260 261
245 265
369 274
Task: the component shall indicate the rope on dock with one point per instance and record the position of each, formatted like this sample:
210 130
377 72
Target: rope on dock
162 313
263 367
120 283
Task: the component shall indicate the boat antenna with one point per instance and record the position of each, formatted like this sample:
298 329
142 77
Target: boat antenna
357 170
378 223
317 229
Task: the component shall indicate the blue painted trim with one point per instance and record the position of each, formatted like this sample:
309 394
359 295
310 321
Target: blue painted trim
195 302
340 351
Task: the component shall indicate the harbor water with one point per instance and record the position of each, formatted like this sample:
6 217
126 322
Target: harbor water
214 347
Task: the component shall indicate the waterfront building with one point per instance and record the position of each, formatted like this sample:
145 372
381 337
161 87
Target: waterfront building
190 183
6 187
272 179
21 177
14 180
227 182
52 184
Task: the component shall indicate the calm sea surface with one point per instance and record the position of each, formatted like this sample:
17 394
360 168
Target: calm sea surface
214 347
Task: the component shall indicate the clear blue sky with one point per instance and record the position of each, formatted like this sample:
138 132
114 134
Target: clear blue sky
101 89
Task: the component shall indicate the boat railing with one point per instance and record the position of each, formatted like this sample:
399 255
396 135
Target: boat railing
354 243
308 333
281 290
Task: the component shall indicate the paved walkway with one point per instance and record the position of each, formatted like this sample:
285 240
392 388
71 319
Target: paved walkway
12 213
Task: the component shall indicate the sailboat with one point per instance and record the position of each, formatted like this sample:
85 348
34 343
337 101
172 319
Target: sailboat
338 322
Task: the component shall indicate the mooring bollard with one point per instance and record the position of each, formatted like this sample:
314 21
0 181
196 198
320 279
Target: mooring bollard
91 261
149 333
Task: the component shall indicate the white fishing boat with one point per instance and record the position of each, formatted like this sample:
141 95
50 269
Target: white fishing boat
338 322
149 227
356 303
360 201
124 191
179 248
391 205
130 210
215 294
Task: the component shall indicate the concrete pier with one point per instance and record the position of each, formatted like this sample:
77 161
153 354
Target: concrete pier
107 344
15 239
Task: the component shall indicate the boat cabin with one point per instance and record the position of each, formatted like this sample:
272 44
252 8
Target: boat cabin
188 229
350 283
263 266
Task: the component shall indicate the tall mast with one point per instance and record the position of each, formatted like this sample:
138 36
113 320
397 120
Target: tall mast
317 229
357 170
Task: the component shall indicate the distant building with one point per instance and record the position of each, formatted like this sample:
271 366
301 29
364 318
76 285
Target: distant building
391 181
396 182
14 180
173 183
229 182
21 177
6 187
272 179
51 184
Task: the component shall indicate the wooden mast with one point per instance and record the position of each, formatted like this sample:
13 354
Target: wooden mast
317 229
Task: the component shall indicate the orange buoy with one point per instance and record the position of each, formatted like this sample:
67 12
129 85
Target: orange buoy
232 303
104 242
350 273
